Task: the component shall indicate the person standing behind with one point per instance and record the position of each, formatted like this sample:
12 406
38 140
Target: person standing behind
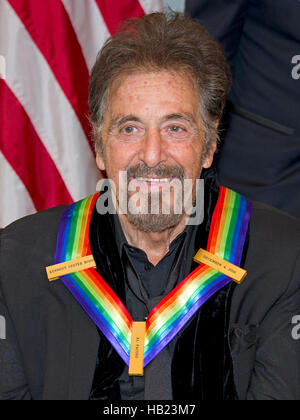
261 148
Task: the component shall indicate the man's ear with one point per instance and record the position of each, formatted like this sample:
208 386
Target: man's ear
100 161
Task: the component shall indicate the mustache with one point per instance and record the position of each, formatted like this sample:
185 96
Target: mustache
160 171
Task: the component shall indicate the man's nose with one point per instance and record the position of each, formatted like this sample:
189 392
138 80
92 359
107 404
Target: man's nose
153 148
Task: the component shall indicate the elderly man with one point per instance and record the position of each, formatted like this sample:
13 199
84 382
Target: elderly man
124 310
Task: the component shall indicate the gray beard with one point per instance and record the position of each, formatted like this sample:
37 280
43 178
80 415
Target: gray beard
154 222
148 221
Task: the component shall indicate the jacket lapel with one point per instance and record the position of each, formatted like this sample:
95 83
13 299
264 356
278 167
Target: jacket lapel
84 344
71 351
241 337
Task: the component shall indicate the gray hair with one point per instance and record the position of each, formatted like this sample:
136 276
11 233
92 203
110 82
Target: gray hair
157 42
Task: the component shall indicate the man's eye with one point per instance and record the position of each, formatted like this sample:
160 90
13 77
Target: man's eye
130 129
176 132
176 129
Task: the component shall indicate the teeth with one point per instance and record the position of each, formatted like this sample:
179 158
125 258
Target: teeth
153 180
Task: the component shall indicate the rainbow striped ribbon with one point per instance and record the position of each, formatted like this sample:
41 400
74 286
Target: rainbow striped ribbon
226 239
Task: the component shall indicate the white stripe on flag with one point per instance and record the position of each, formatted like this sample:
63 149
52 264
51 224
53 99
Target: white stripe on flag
30 78
14 198
150 6
91 36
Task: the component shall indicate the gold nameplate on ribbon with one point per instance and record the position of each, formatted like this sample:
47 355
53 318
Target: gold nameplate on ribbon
137 349
236 273
68 267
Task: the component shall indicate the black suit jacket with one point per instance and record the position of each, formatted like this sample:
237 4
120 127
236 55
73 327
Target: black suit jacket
51 345
260 156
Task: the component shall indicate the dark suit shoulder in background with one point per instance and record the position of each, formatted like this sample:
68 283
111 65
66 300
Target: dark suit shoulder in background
260 156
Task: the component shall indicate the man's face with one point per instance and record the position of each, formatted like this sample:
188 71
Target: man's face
153 130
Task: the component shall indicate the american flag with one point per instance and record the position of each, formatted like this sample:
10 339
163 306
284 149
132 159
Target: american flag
47 49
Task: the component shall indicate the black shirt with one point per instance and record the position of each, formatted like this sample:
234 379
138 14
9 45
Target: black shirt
146 286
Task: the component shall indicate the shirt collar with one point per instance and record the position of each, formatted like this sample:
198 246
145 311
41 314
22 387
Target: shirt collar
121 239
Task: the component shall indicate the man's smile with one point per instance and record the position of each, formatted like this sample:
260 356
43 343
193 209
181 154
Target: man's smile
149 184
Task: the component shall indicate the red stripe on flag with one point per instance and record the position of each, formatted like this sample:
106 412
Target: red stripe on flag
116 11
27 155
50 27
